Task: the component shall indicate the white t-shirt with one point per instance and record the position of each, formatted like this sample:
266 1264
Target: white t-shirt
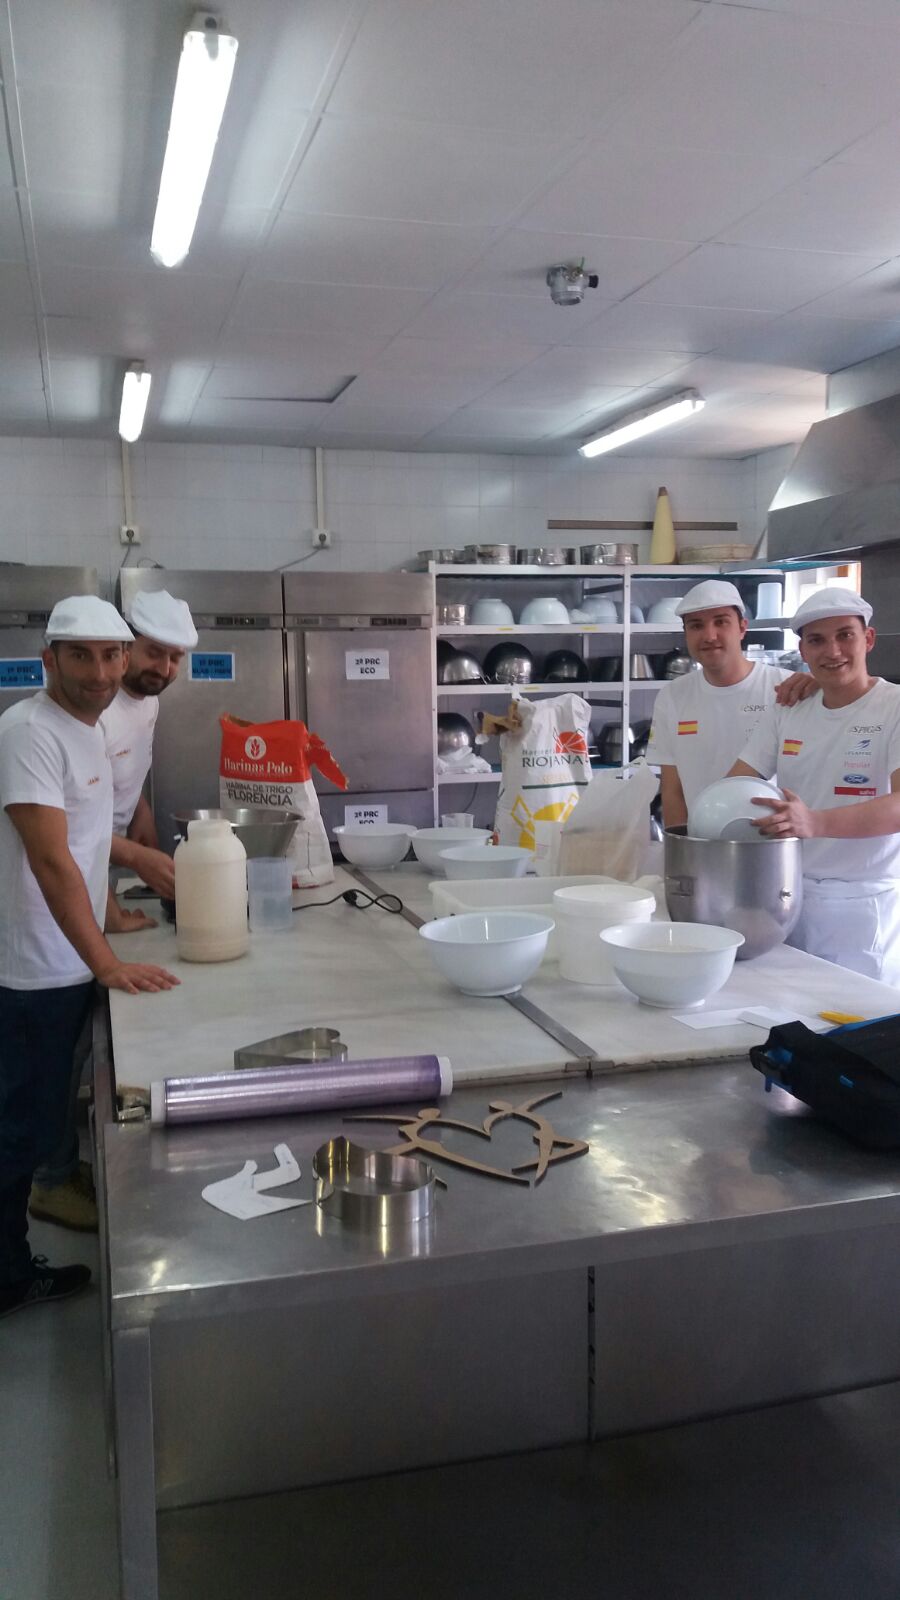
701 730
49 758
831 759
128 725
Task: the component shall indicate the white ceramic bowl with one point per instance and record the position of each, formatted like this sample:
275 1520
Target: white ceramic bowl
428 843
383 844
663 611
674 965
598 608
724 809
543 611
488 952
486 861
635 612
490 613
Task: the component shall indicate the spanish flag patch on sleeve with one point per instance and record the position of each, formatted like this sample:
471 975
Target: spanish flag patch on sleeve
791 747
688 727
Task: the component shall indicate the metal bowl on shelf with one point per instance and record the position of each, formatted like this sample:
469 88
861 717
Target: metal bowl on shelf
508 663
598 555
564 666
261 832
609 743
455 737
640 667
491 555
443 557
678 662
451 614
462 668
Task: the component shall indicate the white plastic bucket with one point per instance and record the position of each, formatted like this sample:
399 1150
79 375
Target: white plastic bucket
581 913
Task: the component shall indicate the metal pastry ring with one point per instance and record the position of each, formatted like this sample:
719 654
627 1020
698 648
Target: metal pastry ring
369 1188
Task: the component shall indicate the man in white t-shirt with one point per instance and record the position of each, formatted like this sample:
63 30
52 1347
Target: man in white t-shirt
836 758
164 630
55 828
702 721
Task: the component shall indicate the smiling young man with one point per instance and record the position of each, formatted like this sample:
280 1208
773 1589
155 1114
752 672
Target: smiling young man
702 720
164 631
836 758
55 828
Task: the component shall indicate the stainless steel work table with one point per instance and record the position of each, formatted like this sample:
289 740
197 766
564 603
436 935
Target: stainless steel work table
253 1357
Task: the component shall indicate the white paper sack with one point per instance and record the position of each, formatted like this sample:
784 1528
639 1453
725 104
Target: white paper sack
609 829
545 767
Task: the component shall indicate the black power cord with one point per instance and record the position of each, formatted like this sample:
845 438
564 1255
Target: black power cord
361 901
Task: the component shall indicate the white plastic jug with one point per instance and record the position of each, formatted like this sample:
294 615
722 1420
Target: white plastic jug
581 913
211 893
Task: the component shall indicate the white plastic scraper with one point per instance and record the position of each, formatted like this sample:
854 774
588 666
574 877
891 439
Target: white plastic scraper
243 1195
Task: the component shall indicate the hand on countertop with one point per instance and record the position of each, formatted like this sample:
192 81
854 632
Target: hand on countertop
137 977
120 921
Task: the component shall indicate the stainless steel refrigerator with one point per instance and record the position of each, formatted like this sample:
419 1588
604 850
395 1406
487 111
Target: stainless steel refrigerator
236 667
27 596
359 675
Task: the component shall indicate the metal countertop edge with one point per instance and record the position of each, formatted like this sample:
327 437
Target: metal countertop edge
582 1054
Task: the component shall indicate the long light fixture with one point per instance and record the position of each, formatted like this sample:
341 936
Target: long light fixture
201 89
640 423
135 394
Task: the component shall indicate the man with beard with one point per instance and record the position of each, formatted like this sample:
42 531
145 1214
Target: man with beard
164 631
55 828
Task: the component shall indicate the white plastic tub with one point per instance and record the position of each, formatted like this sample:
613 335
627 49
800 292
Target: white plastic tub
581 912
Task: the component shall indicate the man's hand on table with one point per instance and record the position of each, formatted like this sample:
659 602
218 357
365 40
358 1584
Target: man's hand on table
156 869
137 977
121 921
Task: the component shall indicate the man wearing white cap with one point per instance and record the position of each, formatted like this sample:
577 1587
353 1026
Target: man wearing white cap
55 827
702 720
839 752
164 630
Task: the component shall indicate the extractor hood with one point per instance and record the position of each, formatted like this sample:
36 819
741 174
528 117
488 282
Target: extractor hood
842 493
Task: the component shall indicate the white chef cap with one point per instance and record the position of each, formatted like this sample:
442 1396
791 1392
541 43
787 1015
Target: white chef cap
159 616
86 616
831 603
709 596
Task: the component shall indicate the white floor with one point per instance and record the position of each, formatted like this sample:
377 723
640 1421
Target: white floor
783 1504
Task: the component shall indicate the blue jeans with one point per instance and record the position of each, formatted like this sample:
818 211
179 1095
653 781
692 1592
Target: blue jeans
39 1031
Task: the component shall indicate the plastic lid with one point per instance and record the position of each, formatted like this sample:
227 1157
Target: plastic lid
446 1075
158 1102
592 900
197 824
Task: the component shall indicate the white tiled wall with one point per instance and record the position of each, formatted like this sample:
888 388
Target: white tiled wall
253 505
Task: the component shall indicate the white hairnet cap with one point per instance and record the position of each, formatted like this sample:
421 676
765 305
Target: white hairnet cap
86 616
159 616
709 596
831 603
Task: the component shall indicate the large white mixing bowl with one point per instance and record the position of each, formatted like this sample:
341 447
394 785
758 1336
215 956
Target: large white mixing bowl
488 952
383 844
429 843
725 809
486 861
674 965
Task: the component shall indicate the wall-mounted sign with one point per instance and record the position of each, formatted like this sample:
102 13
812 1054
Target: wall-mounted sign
364 816
212 666
363 664
21 672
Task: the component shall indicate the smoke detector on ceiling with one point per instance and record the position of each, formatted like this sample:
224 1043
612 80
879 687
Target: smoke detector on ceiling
568 283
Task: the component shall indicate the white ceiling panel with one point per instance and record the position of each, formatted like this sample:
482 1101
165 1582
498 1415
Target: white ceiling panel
666 191
821 344
518 262
744 79
101 44
268 380
453 314
642 325
421 172
16 301
333 351
259 416
844 205
264 307
502 66
307 248
483 422
91 230
424 358
411 421
12 244
864 11
395 392
105 143
752 279
872 297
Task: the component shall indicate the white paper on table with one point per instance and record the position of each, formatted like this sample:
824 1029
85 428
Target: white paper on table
241 1196
764 1017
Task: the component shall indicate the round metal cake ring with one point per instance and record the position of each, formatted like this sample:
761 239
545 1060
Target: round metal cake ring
370 1189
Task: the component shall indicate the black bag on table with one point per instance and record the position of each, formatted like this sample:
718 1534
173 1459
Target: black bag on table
849 1076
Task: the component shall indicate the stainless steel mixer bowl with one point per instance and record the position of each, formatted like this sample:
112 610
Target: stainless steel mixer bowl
261 832
508 663
753 886
461 668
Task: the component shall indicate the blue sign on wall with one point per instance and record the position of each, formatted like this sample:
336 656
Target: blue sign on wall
22 673
212 666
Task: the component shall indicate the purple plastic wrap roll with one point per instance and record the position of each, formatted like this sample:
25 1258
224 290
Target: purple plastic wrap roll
314 1086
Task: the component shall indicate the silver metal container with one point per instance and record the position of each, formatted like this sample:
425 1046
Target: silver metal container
491 555
452 614
626 555
640 667
756 888
598 555
261 832
444 556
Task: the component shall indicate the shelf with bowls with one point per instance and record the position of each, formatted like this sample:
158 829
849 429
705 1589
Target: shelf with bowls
574 687
548 629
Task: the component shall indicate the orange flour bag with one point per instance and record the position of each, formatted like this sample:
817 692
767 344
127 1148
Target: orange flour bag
270 764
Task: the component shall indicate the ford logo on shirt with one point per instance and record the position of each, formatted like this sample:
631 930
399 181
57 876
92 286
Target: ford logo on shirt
855 777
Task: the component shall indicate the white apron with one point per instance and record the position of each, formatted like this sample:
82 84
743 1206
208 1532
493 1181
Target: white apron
856 925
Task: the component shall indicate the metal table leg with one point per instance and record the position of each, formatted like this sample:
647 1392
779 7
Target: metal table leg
138 1560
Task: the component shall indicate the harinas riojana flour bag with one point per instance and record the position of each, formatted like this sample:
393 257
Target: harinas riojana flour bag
546 765
270 764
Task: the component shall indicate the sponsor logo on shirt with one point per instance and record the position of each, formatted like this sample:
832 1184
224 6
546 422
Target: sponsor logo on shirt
125 751
861 744
690 726
791 747
753 708
866 727
93 780
862 794
855 777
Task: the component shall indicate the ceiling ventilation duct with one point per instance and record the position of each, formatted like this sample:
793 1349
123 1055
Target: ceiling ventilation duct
842 493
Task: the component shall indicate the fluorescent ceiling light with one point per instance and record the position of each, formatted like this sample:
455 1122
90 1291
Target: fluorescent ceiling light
201 89
643 422
135 394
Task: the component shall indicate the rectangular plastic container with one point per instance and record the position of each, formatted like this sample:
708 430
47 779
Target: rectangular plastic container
503 894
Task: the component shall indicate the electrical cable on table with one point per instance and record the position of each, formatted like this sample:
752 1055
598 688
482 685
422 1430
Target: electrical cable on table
361 901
